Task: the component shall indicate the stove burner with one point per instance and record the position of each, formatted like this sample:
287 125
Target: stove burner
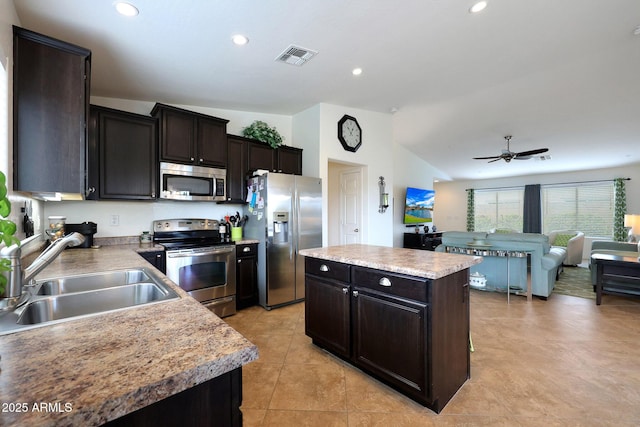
187 233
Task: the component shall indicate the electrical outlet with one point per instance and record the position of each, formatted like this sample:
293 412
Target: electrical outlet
115 220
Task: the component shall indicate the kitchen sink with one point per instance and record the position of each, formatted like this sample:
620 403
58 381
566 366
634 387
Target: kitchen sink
82 303
67 298
91 282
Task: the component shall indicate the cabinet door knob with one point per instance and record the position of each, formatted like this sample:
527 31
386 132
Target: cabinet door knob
191 159
384 282
355 230
246 249
323 267
200 160
239 261
355 294
345 290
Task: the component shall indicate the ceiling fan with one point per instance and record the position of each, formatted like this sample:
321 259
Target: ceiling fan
508 155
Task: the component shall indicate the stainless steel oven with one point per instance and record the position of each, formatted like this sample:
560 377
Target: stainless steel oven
207 274
199 262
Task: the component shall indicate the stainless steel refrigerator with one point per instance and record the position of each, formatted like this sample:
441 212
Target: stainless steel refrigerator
285 216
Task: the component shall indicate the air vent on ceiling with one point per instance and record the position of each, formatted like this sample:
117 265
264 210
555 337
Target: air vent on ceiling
543 157
296 55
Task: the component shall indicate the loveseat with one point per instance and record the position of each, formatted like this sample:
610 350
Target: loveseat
611 248
572 240
545 261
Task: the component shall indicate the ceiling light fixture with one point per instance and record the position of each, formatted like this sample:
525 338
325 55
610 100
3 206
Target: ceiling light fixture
356 71
126 9
239 39
478 7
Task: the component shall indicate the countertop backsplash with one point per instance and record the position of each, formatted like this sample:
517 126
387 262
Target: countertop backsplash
133 217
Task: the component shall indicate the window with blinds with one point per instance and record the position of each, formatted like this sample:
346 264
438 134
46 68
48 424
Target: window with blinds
587 207
500 209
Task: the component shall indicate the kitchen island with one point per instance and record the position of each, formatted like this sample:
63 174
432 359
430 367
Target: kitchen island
401 315
113 366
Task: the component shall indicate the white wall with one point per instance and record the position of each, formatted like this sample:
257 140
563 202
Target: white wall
450 207
375 155
238 120
409 171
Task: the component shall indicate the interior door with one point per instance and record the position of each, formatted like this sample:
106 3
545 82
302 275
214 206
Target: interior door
350 206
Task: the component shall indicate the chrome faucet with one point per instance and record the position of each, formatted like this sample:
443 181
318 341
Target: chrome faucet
18 279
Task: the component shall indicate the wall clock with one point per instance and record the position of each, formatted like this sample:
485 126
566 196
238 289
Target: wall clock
349 133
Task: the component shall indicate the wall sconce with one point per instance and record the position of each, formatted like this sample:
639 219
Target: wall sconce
633 222
384 197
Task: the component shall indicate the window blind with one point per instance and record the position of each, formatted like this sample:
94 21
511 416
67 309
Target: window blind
499 209
585 207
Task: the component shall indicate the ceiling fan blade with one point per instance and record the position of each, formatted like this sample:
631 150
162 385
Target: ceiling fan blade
485 158
531 152
522 157
495 160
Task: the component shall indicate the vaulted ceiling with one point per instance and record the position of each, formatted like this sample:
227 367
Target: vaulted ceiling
560 74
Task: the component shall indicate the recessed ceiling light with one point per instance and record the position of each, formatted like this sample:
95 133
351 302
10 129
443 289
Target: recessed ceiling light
126 9
239 39
478 7
356 71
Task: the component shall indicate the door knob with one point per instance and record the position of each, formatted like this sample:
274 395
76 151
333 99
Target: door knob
355 230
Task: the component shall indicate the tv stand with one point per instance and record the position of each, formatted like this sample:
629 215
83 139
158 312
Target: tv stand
424 241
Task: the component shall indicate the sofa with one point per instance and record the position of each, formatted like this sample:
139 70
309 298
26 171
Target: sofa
545 261
611 248
572 240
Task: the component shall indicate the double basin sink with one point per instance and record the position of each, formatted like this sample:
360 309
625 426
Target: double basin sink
67 298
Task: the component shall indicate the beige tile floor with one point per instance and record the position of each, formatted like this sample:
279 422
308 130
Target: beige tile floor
560 362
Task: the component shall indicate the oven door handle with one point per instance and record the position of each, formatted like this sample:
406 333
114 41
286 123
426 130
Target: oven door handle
199 254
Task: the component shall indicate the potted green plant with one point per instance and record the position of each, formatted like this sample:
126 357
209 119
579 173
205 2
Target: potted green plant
7 230
263 132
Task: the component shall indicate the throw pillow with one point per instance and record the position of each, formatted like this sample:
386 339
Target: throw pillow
563 239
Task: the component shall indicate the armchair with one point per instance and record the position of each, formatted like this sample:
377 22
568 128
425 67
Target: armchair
572 240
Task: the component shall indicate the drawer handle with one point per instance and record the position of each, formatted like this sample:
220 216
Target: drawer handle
246 249
384 282
323 267
355 294
345 290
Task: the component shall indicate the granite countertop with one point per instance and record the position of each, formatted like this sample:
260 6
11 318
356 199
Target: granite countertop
92 370
413 262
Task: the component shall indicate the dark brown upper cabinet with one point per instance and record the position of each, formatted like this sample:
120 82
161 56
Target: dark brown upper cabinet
123 161
191 138
283 159
236 168
289 160
246 155
51 81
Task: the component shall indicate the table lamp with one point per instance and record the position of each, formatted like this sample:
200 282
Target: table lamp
633 222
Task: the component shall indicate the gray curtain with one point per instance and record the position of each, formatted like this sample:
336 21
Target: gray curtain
532 215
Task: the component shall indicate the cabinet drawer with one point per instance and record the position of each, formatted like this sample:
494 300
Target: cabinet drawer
246 250
414 288
327 269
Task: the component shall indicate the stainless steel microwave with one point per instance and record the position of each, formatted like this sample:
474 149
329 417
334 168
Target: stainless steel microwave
195 183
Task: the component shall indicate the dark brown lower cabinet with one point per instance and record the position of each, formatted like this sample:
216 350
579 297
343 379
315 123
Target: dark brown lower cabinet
411 333
246 275
212 403
390 340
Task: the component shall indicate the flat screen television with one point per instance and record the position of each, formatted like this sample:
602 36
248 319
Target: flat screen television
418 206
